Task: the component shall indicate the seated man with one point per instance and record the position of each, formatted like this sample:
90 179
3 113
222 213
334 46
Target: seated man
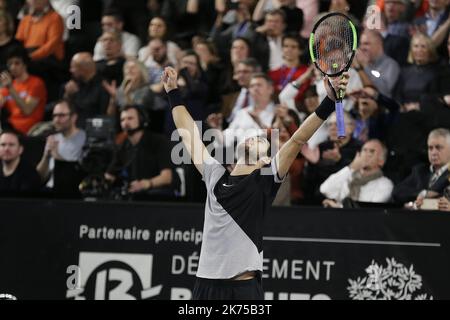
143 160
427 180
362 180
64 146
16 175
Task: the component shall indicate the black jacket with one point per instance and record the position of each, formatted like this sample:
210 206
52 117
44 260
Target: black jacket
408 189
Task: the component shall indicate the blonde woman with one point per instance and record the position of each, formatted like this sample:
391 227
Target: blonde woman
415 79
134 89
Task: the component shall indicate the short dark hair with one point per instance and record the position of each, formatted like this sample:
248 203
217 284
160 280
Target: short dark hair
264 76
252 63
278 12
140 111
293 36
113 12
17 51
69 103
14 133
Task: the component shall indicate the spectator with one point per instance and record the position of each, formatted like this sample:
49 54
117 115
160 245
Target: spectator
362 180
134 90
135 14
23 96
143 161
112 21
64 147
294 15
157 29
111 68
240 50
415 79
212 68
436 15
395 46
395 10
158 49
241 100
267 43
375 114
292 67
224 34
334 154
290 92
41 33
7 39
188 17
382 70
437 103
427 180
16 175
287 122
194 89
85 90
257 116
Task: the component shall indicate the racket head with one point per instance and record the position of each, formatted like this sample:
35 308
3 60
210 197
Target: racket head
333 43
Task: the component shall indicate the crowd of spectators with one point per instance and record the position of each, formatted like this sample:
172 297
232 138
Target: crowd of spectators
83 111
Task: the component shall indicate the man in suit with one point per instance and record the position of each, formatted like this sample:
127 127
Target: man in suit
427 180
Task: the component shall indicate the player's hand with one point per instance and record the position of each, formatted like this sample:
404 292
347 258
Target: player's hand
337 84
169 79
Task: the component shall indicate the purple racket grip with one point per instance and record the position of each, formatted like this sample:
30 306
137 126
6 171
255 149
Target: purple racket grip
340 119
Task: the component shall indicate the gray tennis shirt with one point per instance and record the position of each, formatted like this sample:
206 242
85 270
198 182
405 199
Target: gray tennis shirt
234 215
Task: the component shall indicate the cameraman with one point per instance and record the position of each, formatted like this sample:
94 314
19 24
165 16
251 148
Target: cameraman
143 160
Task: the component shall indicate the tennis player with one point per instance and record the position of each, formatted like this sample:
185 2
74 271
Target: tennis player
231 257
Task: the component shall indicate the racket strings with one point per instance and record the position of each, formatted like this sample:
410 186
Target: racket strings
333 44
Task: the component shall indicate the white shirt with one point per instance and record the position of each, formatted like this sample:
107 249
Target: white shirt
243 126
276 53
130 46
239 104
337 187
173 50
70 149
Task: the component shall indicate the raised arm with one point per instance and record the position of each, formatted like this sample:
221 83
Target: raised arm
186 126
289 151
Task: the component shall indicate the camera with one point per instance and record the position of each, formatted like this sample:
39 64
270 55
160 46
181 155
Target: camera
97 154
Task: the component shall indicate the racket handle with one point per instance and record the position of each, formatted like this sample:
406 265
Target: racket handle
340 119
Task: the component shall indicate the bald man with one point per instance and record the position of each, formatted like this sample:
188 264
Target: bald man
381 69
85 89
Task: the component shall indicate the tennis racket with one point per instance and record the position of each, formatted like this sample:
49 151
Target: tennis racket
332 46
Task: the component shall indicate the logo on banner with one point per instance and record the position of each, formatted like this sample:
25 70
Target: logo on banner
114 276
392 282
7 296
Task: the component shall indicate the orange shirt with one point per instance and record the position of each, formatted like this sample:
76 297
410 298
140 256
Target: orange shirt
32 87
419 13
46 34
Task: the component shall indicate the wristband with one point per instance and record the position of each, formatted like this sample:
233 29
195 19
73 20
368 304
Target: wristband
325 108
175 98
